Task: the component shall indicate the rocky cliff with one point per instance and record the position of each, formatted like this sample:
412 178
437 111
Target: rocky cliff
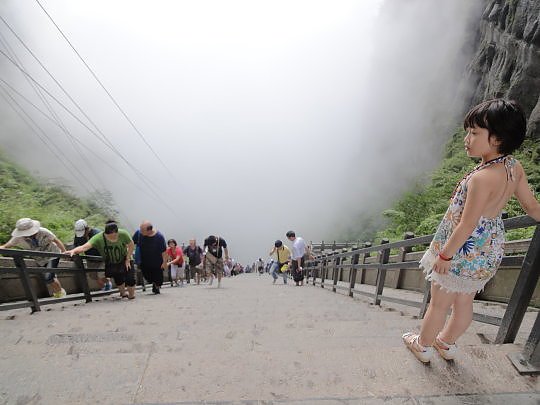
507 59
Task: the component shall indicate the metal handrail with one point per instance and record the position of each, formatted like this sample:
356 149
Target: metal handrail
508 325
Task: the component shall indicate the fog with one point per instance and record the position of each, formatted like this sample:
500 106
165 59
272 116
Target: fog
250 118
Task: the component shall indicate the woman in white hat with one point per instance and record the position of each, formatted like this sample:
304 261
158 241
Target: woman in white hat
29 235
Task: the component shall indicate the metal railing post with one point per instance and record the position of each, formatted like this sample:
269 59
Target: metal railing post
522 293
381 273
25 280
324 265
363 270
81 275
335 273
528 361
352 274
316 270
404 251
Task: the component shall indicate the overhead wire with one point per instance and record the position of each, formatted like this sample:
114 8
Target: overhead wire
103 136
64 129
107 91
105 139
99 157
41 136
141 175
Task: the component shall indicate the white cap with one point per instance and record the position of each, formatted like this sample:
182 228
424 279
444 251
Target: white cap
80 227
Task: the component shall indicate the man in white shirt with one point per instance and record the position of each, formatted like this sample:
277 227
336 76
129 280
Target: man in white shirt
297 255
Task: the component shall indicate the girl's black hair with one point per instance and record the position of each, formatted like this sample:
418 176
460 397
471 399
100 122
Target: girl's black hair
173 241
504 119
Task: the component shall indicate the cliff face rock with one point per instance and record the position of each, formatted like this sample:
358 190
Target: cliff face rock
507 60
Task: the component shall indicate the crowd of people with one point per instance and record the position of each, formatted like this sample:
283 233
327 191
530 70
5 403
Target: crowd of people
121 253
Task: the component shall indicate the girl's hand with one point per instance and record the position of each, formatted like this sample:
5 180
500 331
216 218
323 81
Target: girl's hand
128 264
441 266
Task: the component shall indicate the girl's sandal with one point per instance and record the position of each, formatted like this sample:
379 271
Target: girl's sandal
446 350
422 353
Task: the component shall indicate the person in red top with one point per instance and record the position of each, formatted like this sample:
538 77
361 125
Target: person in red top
176 261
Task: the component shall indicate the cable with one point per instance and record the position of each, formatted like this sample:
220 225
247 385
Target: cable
58 83
47 145
137 186
141 175
5 43
106 91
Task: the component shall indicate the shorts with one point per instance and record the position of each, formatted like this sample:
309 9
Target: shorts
179 271
215 268
196 269
121 275
49 277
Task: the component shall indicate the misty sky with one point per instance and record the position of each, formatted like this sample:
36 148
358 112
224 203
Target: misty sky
267 115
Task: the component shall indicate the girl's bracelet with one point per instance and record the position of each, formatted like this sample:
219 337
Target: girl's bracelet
443 257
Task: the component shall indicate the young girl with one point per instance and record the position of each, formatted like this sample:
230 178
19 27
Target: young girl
468 245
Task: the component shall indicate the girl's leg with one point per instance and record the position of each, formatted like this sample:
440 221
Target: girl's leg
441 301
461 318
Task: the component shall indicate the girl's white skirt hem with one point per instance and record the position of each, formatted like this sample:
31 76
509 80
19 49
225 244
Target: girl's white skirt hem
449 282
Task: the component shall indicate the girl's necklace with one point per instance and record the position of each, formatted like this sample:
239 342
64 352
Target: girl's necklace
475 169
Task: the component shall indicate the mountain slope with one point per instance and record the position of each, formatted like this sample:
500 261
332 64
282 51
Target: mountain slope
21 195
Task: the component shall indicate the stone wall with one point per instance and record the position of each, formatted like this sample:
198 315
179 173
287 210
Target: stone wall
507 59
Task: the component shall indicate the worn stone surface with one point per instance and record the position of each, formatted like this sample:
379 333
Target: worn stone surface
249 342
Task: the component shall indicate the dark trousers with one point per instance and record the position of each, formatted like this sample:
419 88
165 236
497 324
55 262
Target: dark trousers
152 273
298 275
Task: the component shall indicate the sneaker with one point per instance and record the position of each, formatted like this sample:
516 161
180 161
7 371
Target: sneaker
274 282
60 294
218 284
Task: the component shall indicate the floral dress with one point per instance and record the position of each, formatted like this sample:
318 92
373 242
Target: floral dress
476 262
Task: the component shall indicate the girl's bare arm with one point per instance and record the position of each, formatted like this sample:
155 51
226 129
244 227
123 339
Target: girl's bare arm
526 197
